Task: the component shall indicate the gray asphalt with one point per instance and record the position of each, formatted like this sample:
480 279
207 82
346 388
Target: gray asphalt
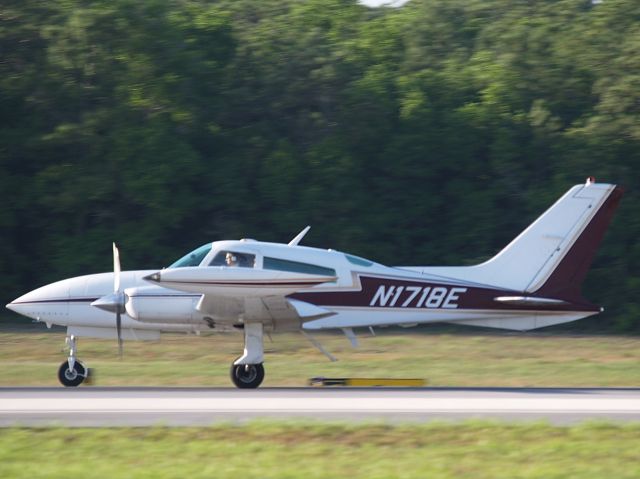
103 407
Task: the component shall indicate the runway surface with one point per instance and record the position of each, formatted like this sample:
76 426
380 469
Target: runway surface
99 407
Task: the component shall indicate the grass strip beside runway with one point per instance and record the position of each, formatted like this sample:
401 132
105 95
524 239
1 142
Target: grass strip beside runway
475 359
314 450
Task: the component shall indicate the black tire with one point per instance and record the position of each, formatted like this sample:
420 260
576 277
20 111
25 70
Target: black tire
247 376
72 378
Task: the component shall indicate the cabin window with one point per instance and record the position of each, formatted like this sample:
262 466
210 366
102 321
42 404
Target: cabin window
296 267
358 260
234 259
194 258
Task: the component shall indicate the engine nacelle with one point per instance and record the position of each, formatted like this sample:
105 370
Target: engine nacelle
151 304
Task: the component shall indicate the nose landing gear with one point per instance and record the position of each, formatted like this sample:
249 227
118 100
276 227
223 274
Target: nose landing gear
72 372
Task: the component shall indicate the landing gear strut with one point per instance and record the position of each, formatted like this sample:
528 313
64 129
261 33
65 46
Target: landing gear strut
247 372
72 372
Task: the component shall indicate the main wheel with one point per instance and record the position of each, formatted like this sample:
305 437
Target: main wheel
72 377
247 376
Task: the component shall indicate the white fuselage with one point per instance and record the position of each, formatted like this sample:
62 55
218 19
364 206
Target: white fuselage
345 291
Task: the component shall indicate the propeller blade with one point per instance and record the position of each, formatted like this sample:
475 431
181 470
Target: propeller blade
119 333
120 296
116 269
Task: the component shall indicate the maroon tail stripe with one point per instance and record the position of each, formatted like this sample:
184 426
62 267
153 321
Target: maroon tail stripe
566 280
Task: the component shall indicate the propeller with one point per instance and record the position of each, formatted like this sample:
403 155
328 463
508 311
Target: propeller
114 302
120 296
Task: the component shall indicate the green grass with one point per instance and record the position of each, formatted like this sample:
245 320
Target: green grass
476 359
312 450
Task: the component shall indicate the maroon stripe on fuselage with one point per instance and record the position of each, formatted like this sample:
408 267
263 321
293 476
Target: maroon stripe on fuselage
566 280
63 300
394 293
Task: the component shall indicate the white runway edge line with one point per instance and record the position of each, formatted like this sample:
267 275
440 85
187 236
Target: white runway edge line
284 404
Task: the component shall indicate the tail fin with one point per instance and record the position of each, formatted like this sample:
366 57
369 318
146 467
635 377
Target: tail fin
565 278
551 257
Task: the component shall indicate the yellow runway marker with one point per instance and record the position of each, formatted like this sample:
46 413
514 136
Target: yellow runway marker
367 382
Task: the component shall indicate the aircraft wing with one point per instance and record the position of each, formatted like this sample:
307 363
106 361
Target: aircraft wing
266 308
232 294
236 282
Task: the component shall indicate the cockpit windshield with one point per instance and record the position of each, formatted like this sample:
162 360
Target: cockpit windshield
194 258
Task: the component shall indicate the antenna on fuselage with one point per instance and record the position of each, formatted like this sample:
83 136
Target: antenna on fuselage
296 240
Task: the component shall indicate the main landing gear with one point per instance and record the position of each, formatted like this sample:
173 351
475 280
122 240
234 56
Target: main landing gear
72 372
247 372
247 376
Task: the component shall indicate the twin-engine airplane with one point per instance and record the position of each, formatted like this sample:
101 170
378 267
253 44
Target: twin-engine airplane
261 287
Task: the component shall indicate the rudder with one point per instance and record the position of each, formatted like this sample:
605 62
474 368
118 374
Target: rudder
566 278
552 256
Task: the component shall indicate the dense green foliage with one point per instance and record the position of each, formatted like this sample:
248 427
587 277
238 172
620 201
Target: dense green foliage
427 134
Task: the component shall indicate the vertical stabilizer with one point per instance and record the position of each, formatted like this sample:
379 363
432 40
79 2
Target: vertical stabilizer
551 257
570 269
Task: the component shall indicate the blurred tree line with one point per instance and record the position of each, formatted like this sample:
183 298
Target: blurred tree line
427 134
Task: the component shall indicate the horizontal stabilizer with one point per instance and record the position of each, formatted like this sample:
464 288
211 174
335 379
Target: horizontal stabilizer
535 320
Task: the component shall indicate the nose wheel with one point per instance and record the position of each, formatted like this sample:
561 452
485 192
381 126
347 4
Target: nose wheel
72 372
72 377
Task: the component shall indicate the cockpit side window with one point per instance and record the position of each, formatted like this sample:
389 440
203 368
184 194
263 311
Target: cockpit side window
357 260
234 259
296 267
194 258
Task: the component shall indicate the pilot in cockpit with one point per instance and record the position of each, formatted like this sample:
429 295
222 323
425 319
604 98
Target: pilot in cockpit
231 260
